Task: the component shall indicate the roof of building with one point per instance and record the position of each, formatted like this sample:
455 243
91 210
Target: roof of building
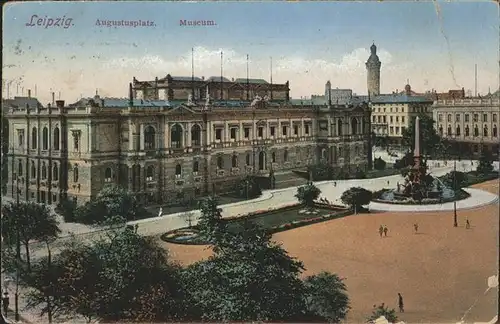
186 78
21 102
244 80
217 78
122 102
399 98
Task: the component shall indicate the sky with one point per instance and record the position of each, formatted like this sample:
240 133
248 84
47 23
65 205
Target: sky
434 45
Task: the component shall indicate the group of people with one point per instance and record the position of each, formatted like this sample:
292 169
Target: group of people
383 230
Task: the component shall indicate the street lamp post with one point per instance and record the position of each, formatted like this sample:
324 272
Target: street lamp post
455 221
18 255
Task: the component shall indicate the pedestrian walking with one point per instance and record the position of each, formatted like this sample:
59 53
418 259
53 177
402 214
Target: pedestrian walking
335 183
381 230
136 228
467 223
415 226
400 303
387 182
5 302
385 231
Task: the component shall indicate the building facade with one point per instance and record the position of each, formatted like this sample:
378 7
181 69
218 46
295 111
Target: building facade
373 72
471 124
166 151
393 113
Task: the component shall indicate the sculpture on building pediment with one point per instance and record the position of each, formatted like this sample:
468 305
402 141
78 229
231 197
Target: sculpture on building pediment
256 101
207 98
190 100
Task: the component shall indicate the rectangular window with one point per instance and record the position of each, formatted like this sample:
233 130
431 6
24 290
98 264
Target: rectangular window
306 130
397 119
485 117
247 132
385 119
402 110
218 134
466 118
233 133
379 119
295 130
476 117
374 118
457 118
391 119
440 117
494 118
402 119
449 118
272 131
283 130
392 130
397 130
261 132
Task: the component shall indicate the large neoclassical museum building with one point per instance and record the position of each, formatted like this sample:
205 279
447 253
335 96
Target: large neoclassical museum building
177 137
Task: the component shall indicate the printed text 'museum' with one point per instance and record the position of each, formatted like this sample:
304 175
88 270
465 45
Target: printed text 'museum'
195 23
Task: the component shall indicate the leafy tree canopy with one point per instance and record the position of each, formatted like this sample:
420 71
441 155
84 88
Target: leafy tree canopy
382 310
455 179
307 194
379 164
356 197
485 165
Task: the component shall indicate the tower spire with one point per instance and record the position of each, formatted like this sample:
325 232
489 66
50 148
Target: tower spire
221 76
248 82
271 78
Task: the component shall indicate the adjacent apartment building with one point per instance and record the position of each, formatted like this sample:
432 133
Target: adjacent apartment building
470 124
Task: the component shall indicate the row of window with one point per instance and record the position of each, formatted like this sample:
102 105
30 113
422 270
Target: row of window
396 109
467 131
45 138
43 173
383 119
467 118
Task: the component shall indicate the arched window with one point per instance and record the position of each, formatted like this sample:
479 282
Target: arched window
440 130
476 131
176 136
234 161
150 171
178 170
108 175
354 126
33 170
449 118
55 173
467 130
285 155
457 131
449 130
323 153
45 138
34 138
149 138
196 135
56 139
273 157
20 168
75 173
339 127
196 166
485 131
44 171
495 131
247 159
220 162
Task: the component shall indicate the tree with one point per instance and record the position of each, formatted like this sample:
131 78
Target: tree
321 171
429 138
455 180
248 278
485 165
356 197
121 277
382 310
111 201
32 221
211 225
379 164
325 295
407 160
249 188
307 194
188 217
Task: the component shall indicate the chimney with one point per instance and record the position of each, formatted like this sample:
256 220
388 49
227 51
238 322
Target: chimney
29 93
53 98
60 104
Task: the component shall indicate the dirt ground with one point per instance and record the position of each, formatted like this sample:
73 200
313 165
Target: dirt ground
441 272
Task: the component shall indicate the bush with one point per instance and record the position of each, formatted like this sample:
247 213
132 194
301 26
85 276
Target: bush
382 310
67 208
321 172
379 164
356 197
455 180
485 165
249 188
359 174
308 194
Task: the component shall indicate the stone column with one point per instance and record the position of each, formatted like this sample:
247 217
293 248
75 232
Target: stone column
302 127
226 132
241 132
141 137
254 130
188 131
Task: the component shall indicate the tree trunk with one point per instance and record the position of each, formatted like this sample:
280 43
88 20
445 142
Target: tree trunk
27 248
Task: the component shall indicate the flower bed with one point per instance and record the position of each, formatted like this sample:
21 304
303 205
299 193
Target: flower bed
459 195
190 235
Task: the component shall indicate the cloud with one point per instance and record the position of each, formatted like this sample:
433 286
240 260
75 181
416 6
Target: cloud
307 76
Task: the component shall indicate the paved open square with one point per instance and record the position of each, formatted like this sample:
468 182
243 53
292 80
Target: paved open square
441 271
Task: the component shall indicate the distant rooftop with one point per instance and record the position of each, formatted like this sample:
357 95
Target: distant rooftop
21 102
399 98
